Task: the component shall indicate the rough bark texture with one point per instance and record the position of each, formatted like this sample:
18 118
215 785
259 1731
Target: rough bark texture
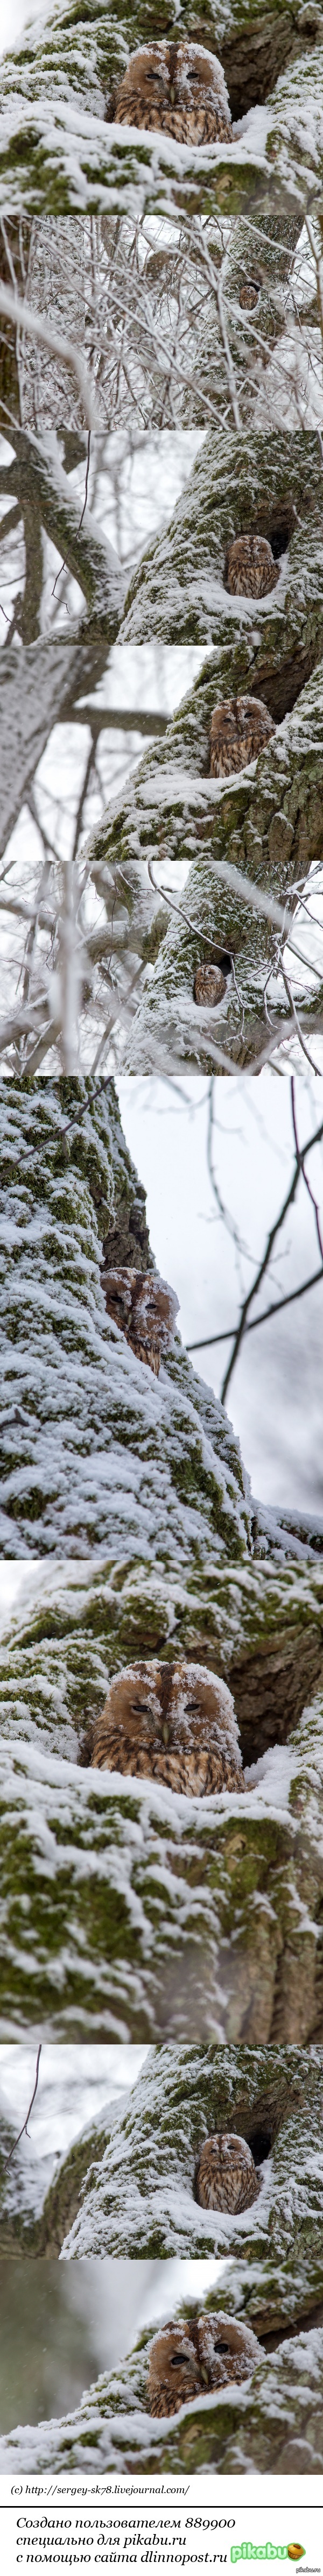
259 1625
153 1915
59 153
127 2185
95 1451
273 2424
267 820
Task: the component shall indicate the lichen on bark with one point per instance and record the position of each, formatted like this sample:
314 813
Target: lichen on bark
126 2187
95 1451
271 2423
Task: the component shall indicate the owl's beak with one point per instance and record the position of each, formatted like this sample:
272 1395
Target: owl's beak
165 1734
204 2377
172 95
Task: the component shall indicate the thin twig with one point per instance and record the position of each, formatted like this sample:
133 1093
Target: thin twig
210 1339
24 2131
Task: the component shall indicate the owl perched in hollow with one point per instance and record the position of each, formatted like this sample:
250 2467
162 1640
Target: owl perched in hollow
145 1309
239 729
249 293
225 2175
176 88
209 986
250 569
170 1722
190 2359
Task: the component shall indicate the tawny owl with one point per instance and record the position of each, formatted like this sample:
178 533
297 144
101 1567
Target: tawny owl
170 1722
226 2176
145 1309
203 2353
249 293
209 986
239 729
250 569
176 88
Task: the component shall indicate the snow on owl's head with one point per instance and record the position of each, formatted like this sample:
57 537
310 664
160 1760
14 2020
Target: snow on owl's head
202 2353
174 1723
177 88
180 1706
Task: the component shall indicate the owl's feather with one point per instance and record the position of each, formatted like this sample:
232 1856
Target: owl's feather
249 294
239 729
209 986
226 2175
145 1309
170 1722
175 88
203 2353
250 569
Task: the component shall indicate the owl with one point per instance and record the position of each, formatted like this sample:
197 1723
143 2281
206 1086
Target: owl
249 568
226 2176
178 89
145 1309
170 1722
209 985
239 729
203 2353
249 293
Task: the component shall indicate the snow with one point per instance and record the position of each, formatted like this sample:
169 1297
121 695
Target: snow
282 2399
75 2089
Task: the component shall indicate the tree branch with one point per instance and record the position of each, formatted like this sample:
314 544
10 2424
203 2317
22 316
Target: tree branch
24 2131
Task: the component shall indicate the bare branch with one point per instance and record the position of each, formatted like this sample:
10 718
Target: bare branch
24 2131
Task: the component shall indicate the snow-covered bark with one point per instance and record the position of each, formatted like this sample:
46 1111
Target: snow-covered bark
38 689
96 1452
131 1912
59 151
88 55
265 823
126 2186
272 2424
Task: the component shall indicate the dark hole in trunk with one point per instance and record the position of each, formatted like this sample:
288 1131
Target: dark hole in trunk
279 540
259 2141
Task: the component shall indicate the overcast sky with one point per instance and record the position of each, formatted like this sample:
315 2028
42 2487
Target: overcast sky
276 1396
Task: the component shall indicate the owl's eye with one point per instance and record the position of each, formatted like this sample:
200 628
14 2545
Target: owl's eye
193 1706
155 76
178 2356
140 1708
222 2347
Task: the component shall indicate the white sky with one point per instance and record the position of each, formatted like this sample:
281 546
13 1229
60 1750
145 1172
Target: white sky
15 16
276 1396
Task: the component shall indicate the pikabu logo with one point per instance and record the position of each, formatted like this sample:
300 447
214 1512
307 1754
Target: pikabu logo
247 2549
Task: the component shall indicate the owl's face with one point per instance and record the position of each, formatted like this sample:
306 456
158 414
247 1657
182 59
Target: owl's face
174 2373
204 2353
228 2350
226 2176
176 1706
177 88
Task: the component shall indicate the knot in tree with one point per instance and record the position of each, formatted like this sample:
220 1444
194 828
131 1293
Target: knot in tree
226 2175
177 89
239 729
170 1722
205 2352
145 1309
250 568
